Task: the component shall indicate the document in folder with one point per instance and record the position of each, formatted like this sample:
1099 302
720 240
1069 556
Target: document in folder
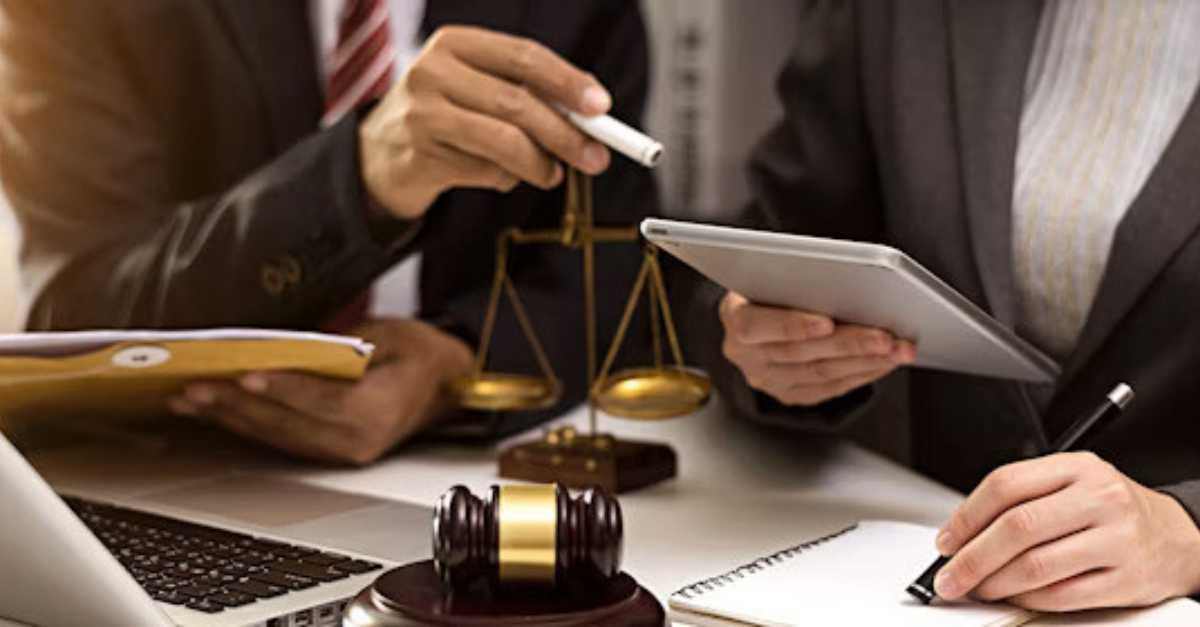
132 373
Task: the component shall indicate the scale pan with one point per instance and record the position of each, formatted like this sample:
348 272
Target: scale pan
493 391
654 393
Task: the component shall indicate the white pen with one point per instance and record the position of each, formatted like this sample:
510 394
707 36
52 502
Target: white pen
619 136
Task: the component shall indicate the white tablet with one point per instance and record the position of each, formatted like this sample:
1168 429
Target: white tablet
868 284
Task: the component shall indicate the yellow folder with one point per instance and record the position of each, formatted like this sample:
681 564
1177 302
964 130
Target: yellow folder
133 373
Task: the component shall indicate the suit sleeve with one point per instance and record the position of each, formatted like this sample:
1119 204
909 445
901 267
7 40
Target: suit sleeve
1188 495
813 174
108 245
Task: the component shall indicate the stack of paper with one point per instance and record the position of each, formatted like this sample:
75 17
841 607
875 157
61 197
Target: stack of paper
131 373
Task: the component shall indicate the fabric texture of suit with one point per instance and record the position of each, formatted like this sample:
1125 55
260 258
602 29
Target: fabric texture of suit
901 123
165 162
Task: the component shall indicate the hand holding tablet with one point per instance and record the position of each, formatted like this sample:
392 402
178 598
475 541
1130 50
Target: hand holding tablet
808 319
803 358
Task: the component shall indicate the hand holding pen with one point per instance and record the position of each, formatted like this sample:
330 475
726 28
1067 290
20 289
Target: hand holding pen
1064 532
487 110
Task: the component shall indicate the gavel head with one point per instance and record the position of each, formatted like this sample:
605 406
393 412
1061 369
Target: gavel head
526 534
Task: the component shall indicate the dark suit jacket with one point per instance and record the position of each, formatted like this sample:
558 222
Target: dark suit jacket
165 162
901 127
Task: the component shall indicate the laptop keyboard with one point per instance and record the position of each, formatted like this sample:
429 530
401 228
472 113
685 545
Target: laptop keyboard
205 568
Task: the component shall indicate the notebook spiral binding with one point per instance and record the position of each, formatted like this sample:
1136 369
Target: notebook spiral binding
708 585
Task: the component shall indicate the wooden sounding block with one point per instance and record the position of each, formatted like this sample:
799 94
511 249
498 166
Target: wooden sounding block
578 461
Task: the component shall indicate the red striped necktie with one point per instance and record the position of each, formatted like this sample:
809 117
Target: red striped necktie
364 60
361 70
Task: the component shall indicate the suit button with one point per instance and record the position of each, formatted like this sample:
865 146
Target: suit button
277 276
273 280
290 267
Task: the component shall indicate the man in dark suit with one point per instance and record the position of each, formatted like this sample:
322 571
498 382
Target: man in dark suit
191 164
1011 149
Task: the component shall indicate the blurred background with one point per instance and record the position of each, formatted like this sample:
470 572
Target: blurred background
704 105
10 303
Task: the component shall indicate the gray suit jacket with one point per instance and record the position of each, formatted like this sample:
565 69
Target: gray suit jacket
901 127
166 164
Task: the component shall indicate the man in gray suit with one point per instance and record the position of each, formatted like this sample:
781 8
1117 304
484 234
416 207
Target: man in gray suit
1048 173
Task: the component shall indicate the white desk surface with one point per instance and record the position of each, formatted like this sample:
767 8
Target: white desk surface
741 492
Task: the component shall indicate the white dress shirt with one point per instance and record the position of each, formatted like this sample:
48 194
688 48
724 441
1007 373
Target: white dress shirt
397 293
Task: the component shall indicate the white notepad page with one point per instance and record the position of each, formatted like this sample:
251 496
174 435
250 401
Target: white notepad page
855 578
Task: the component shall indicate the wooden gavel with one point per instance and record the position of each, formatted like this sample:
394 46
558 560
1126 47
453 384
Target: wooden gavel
526 534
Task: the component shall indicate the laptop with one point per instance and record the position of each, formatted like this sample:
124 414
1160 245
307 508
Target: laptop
225 550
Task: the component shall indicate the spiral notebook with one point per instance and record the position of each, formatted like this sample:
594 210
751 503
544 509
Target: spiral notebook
856 576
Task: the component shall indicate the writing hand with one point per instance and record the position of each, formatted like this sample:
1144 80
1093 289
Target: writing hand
801 358
1066 532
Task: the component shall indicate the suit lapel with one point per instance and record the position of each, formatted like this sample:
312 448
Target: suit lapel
275 40
278 48
991 43
1164 216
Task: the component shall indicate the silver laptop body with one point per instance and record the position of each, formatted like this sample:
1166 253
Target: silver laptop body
55 571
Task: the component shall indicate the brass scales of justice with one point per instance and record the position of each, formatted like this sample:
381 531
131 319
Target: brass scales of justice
653 392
